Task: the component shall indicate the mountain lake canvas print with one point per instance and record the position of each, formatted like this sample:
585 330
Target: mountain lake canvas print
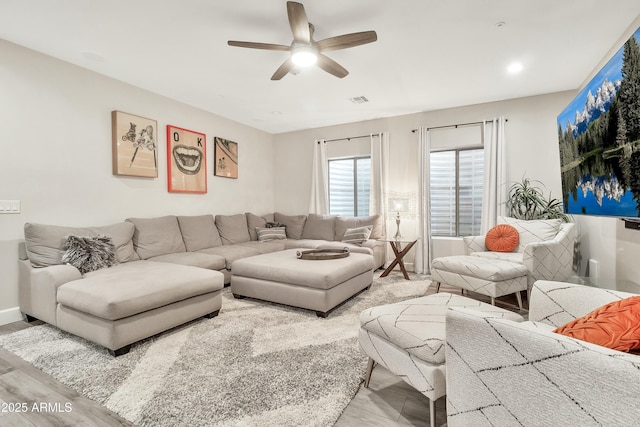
599 140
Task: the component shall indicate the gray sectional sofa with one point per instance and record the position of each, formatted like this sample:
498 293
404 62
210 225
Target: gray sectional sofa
166 270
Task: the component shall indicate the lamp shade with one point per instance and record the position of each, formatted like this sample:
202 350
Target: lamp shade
398 205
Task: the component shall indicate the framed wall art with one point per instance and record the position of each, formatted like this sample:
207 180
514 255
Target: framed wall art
226 158
186 160
134 145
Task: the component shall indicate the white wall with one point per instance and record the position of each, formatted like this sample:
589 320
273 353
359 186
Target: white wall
532 150
55 132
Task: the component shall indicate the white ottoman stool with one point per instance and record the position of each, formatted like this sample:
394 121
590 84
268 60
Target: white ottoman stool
490 277
408 339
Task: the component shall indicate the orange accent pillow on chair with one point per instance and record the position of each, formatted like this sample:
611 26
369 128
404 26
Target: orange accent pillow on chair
615 325
502 238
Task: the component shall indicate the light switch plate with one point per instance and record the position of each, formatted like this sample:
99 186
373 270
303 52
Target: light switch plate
9 206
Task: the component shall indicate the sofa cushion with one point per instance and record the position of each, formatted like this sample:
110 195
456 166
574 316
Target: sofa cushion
255 221
193 259
321 227
89 253
344 222
157 236
199 232
294 224
232 228
232 253
264 247
128 289
44 243
530 231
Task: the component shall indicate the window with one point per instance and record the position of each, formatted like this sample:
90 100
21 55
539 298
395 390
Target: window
456 192
349 186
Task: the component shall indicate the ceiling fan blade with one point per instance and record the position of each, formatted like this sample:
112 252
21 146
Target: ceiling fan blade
254 45
347 40
331 66
298 22
283 69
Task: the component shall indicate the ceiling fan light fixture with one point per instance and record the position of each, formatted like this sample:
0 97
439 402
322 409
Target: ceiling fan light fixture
304 55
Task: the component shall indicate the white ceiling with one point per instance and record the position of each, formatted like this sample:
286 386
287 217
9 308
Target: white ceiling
430 54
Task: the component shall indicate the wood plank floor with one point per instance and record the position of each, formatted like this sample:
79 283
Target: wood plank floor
388 401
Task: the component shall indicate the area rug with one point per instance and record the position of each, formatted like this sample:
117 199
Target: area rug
256 364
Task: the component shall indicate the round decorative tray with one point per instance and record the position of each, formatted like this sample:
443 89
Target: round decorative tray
320 254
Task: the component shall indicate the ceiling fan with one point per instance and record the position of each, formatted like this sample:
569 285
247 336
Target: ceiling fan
304 50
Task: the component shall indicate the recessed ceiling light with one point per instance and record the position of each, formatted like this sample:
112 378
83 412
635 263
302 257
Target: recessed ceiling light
515 68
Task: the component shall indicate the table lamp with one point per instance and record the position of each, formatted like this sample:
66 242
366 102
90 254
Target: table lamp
398 205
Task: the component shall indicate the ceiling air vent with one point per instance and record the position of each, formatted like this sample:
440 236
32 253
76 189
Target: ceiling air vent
359 99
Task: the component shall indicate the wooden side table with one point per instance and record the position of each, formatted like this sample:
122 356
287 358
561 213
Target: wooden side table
396 245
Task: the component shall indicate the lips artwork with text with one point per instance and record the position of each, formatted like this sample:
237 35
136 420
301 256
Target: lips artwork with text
188 159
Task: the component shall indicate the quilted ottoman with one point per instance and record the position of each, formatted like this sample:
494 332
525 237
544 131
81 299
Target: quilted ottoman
491 277
318 285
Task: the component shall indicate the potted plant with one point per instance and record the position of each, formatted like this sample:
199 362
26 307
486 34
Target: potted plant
527 201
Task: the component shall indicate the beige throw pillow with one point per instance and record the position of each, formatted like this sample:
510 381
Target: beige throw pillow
233 228
199 232
293 223
157 236
319 227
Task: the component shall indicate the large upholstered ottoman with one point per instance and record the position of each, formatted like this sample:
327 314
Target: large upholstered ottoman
408 339
318 285
487 276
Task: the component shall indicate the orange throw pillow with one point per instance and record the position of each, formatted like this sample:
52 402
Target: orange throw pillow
502 238
615 325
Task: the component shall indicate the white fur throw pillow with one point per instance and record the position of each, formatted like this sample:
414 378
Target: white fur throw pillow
89 253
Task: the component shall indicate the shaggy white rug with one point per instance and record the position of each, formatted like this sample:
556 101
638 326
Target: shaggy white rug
256 364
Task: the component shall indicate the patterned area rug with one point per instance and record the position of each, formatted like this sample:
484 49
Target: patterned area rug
256 364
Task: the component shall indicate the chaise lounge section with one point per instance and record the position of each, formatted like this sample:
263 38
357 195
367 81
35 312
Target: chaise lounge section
114 306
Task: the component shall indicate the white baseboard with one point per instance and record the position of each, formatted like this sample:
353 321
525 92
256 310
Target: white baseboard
10 315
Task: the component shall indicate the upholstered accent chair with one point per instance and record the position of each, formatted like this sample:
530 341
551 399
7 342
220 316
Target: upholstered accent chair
505 373
408 339
545 248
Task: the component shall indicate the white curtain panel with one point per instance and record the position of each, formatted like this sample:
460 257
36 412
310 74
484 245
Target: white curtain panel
379 176
424 245
495 174
319 203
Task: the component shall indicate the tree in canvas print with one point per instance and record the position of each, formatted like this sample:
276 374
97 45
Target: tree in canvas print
599 138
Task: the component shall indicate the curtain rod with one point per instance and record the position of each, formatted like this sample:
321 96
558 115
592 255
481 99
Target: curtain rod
351 137
459 125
